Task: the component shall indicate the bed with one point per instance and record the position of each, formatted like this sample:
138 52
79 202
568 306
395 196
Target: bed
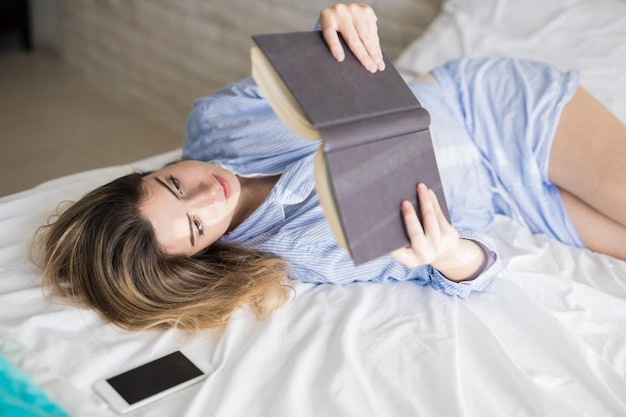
547 338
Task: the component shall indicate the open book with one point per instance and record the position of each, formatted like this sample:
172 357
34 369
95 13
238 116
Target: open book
375 147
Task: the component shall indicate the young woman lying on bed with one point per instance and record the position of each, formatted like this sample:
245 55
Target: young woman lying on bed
186 245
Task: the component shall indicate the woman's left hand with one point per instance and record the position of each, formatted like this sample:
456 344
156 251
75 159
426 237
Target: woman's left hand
357 24
436 242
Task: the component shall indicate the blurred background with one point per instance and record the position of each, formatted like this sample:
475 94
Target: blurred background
91 83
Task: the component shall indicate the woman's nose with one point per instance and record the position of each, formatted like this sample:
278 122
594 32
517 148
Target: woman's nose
202 194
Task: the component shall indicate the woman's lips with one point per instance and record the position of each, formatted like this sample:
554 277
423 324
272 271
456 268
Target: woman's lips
225 186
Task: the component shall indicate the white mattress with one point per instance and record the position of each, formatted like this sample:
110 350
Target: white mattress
547 338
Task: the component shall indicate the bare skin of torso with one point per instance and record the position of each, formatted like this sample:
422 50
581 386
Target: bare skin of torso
424 78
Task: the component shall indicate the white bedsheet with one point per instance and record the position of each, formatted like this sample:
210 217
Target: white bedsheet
547 338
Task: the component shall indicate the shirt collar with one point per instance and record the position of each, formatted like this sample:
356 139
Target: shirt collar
294 185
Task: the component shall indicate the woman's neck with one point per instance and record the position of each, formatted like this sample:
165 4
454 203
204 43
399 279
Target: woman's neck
254 191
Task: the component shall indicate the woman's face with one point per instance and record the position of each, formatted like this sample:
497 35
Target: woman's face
190 205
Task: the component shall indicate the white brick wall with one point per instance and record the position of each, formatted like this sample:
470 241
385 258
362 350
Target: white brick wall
159 55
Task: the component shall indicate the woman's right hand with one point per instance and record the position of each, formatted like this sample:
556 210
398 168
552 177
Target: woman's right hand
357 24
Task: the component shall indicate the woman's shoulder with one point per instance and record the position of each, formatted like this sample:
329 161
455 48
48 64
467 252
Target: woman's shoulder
237 126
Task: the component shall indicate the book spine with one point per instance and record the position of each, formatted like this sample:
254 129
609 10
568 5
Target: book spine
375 128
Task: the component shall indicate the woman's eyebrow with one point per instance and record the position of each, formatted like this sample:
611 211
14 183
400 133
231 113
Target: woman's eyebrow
191 234
167 187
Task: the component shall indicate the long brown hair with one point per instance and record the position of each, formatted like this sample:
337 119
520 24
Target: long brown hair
102 254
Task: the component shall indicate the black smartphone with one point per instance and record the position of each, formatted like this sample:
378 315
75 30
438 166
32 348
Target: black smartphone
150 381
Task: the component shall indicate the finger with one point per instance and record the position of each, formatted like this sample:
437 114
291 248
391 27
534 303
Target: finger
411 222
368 32
352 36
443 222
429 217
331 37
407 257
419 247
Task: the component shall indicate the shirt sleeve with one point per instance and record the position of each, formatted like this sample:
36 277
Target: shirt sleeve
237 129
325 262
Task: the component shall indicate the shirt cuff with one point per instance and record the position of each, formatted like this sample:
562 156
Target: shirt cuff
465 288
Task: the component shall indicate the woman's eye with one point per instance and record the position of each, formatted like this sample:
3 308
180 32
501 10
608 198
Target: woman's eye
198 227
175 182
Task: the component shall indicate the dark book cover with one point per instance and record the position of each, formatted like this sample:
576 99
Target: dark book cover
376 141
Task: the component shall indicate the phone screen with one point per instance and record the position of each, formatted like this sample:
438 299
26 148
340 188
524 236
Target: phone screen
154 377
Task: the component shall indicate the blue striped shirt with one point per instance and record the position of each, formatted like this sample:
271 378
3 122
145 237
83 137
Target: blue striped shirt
236 129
